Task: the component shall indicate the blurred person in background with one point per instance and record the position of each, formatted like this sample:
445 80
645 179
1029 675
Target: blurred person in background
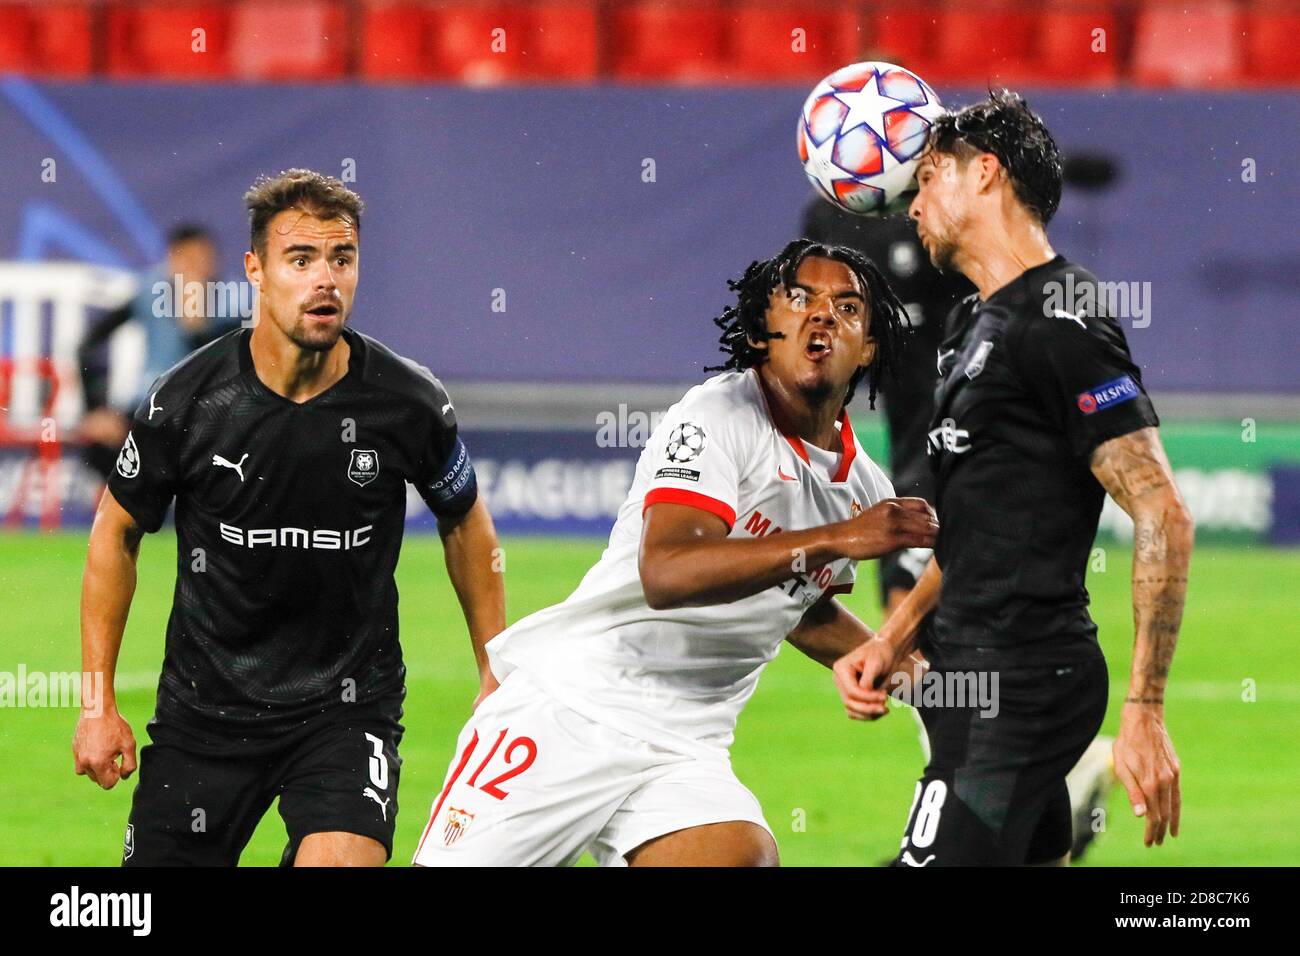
175 323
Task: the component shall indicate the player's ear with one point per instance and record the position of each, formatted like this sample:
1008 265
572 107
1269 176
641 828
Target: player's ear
868 351
990 169
253 268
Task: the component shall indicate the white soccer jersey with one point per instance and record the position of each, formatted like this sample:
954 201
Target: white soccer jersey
679 678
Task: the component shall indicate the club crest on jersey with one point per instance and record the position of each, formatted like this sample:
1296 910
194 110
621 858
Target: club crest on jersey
128 459
686 443
976 364
458 822
128 843
363 466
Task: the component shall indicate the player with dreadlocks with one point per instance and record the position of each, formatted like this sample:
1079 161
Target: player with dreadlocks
751 505
744 325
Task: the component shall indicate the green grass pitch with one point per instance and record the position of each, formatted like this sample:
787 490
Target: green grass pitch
835 792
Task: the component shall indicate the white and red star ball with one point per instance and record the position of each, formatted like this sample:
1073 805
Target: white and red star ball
862 132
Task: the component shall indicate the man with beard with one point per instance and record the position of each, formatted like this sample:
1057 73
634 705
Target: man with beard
1041 413
287 449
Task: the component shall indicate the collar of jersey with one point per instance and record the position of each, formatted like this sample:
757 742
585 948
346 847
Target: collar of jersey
848 447
246 365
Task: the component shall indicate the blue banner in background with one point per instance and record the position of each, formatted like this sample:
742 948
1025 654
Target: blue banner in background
585 234
545 482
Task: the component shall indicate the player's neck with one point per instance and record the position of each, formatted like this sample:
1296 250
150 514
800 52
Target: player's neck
793 414
1003 253
291 371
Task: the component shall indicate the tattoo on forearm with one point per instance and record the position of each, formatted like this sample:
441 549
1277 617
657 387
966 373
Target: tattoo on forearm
1135 472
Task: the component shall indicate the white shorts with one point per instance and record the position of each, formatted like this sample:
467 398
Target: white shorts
534 783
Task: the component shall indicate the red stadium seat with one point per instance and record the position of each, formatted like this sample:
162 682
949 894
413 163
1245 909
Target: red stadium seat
982 43
1178 44
682 42
539 42
762 41
1273 43
480 44
288 40
1066 38
16 53
182 41
905 36
564 41
49 40
397 42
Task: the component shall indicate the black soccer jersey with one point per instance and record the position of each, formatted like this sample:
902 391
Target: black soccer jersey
289 520
1033 380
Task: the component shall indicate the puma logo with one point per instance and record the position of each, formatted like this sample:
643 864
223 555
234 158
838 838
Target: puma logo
152 407
383 804
238 469
911 861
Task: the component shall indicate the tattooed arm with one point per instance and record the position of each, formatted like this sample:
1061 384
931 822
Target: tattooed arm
1135 472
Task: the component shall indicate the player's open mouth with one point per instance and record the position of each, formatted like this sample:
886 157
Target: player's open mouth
818 347
323 311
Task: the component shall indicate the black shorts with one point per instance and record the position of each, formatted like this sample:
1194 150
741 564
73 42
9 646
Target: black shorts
337 773
994 791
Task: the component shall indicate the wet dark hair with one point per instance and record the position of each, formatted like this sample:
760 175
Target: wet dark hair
1005 126
746 322
322 196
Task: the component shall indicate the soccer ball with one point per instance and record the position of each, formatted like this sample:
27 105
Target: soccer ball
686 443
861 135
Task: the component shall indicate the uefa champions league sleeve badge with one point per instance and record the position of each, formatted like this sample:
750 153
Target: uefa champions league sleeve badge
128 459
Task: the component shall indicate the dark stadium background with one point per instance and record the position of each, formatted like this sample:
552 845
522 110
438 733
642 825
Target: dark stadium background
515 243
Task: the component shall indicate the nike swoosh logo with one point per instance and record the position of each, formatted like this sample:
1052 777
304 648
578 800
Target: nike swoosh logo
911 861
783 476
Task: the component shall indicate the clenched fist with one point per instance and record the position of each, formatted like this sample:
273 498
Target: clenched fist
98 743
890 525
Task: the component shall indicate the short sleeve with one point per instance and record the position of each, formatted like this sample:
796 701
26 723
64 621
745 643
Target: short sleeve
146 475
446 480
696 459
1084 378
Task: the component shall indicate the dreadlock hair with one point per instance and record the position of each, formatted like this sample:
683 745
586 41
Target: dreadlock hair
745 323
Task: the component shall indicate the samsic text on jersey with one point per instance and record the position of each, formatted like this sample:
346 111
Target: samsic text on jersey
289 521
1029 390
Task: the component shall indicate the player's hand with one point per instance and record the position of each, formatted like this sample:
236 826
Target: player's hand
860 676
889 526
98 743
1147 766
487 684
